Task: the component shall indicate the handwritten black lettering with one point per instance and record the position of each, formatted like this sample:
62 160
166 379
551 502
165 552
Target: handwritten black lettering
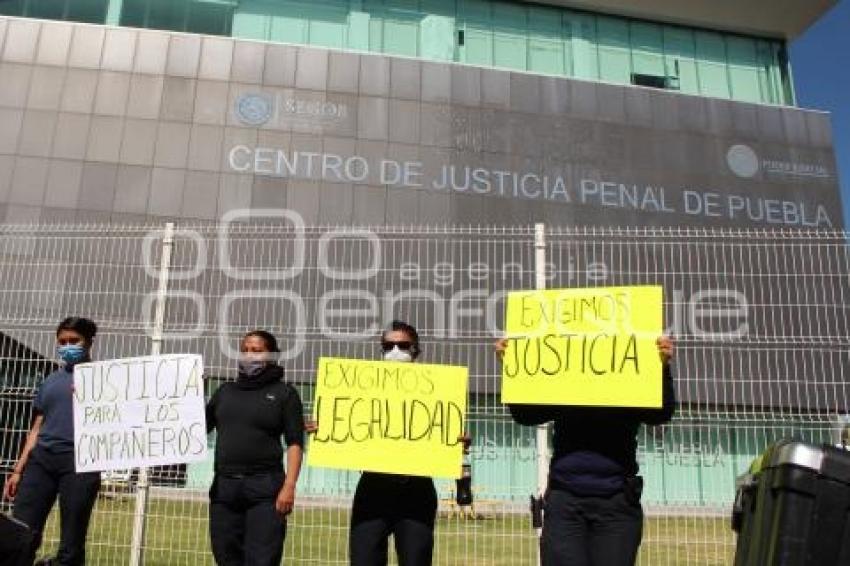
370 418
553 356
377 377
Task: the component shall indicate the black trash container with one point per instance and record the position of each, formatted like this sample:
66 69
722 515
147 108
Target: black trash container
793 508
15 540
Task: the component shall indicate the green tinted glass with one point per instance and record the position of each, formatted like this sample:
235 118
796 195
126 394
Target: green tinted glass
502 34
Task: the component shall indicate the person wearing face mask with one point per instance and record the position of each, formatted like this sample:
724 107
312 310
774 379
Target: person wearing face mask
592 514
388 504
45 468
252 493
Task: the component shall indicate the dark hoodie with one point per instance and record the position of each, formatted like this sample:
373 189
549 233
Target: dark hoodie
595 448
250 415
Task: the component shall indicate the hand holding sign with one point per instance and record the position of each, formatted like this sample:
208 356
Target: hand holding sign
665 349
389 417
593 347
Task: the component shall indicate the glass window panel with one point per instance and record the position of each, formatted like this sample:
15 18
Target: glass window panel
132 13
477 26
250 24
88 11
375 10
12 8
438 31
580 28
773 67
648 49
614 57
210 18
168 14
545 44
437 38
46 9
763 60
711 64
680 52
743 71
509 36
288 22
328 23
401 27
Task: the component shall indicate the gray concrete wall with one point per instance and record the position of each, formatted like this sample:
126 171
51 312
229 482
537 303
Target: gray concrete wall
110 124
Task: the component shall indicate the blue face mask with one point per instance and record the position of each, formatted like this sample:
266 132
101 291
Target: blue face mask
71 354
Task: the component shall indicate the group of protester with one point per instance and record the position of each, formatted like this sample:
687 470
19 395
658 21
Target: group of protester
592 511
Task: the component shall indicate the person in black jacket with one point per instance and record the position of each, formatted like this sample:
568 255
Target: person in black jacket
385 504
46 468
251 494
592 511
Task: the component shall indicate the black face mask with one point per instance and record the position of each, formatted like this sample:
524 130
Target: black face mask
251 368
267 373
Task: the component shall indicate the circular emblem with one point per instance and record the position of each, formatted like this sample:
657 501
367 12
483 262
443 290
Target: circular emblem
743 161
254 109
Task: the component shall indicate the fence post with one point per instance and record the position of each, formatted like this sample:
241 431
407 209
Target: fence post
142 486
542 432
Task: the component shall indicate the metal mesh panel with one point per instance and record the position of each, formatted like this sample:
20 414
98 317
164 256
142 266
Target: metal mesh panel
759 320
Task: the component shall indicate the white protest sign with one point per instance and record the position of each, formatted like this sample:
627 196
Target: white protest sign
138 412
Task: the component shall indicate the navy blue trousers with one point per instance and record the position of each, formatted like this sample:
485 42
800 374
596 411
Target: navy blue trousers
48 475
245 527
591 531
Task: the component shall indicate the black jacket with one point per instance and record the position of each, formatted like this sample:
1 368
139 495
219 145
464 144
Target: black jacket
595 448
250 417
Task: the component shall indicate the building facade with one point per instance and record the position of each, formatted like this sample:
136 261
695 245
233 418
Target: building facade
550 40
368 112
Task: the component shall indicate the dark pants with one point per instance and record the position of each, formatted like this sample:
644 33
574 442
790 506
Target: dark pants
591 531
46 475
15 539
384 505
245 527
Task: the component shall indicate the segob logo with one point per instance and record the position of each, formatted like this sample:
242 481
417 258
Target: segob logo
743 161
254 109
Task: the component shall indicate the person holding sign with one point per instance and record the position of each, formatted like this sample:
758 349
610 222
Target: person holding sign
402 505
252 494
46 466
593 515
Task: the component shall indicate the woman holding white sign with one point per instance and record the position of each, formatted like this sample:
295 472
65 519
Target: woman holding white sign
45 469
252 494
592 510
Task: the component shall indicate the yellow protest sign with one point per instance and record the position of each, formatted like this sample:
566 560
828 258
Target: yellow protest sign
592 347
399 418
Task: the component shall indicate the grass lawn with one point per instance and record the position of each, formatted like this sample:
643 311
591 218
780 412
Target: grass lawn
177 535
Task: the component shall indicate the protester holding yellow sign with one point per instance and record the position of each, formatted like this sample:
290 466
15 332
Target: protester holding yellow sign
590 360
400 423
389 417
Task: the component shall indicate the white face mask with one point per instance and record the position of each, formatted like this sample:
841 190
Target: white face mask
398 355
